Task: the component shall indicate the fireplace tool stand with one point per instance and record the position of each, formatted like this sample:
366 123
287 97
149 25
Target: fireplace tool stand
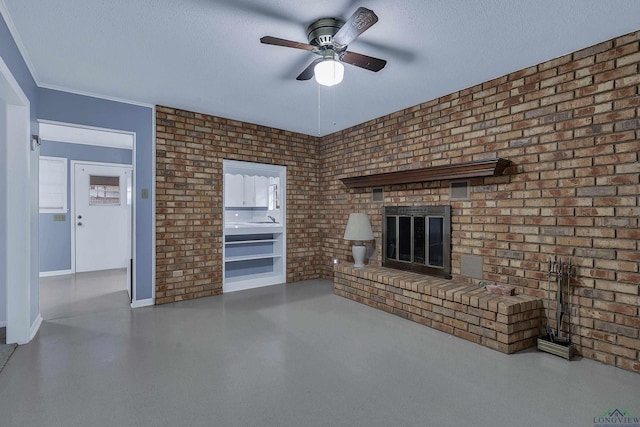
553 341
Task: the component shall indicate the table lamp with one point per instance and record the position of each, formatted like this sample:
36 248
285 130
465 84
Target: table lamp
358 229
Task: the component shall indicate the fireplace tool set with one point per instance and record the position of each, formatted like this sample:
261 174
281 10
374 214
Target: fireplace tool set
553 341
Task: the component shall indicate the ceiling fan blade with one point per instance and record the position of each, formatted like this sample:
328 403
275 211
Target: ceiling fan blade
358 23
363 61
307 74
285 43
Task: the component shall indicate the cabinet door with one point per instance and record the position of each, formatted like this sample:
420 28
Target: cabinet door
262 191
249 191
233 190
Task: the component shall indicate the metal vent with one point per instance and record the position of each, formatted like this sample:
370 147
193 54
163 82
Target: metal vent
472 266
325 40
459 190
377 194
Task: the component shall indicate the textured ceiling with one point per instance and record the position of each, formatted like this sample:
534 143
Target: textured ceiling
205 55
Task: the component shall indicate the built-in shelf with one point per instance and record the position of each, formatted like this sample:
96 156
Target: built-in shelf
254 248
247 242
250 257
258 279
473 169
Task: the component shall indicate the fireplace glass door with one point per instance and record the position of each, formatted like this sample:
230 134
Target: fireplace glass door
418 239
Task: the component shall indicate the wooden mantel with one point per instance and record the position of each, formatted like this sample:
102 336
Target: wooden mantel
473 169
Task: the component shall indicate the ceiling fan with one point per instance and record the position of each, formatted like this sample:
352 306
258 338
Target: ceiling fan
329 38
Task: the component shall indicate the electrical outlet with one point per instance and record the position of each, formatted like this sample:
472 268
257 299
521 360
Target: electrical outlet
144 193
59 217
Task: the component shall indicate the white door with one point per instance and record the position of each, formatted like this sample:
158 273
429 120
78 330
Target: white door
102 216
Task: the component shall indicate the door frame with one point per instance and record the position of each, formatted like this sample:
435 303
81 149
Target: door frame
72 211
20 250
103 137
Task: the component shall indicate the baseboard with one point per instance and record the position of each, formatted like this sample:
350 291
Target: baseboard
34 328
55 273
142 303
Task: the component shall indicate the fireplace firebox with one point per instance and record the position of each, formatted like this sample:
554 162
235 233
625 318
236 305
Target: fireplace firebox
417 238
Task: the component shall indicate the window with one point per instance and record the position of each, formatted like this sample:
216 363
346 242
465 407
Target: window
104 190
53 184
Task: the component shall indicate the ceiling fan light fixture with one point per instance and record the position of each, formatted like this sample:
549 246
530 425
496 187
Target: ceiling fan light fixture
329 72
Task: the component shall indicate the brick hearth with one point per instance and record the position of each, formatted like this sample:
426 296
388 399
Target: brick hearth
504 323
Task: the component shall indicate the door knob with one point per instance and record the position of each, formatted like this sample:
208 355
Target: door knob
79 216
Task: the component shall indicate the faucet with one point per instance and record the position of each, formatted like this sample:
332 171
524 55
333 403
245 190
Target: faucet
271 218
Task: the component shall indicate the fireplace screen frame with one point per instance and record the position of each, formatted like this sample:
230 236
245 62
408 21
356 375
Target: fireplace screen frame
413 212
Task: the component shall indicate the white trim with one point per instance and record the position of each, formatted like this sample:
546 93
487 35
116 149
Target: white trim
53 273
18 95
19 253
85 135
134 215
143 303
250 167
35 326
153 205
72 217
16 38
54 211
94 95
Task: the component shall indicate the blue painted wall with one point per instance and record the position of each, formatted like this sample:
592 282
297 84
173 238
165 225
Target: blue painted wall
84 110
13 59
55 237
66 107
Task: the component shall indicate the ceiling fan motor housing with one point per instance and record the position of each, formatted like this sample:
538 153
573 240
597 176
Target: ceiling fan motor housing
329 37
321 32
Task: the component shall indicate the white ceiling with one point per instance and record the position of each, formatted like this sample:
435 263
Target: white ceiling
205 55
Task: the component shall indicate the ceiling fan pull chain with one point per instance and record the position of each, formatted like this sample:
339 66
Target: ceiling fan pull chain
318 109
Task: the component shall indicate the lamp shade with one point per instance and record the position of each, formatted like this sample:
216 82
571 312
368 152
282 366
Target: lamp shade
329 72
358 227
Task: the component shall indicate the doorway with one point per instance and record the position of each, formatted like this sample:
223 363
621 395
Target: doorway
97 232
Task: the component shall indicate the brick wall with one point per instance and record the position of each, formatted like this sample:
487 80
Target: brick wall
190 148
571 127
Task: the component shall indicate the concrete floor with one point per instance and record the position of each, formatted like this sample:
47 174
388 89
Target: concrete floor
290 355
83 293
